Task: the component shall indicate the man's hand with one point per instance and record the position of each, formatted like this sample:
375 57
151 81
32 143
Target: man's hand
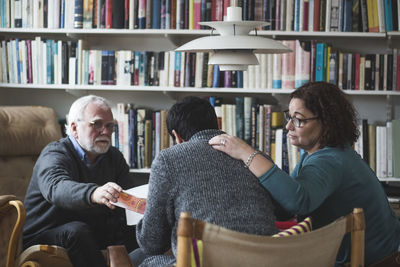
106 194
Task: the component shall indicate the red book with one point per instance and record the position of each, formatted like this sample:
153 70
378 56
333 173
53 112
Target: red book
126 15
108 14
29 56
277 15
316 15
305 16
357 72
217 10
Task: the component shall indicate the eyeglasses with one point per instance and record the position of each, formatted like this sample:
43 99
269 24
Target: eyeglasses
99 125
296 121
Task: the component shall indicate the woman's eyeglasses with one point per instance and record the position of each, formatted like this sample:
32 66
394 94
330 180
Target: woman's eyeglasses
296 121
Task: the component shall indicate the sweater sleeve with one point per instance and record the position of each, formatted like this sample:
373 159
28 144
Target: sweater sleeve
153 232
58 180
310 184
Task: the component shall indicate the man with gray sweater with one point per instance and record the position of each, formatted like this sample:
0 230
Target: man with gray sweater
192 176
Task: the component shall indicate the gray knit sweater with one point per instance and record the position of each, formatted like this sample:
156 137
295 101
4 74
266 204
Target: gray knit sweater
209 184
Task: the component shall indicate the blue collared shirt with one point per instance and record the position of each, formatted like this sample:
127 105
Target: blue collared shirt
81 153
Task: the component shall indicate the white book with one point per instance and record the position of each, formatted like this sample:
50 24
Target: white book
310 18
379 152
50 14
119 57
328 15
270 70
301 16
224 126
289 15
4 61
199 69
246 78
183 66
398 14
381 15
257 73
43 65
278 147
79 62
58 74
261 128
233 119
71 71
171 71
15 59
164 73
277 71
131 15
251 78
34 62
56 51
263 71
35 14
97 75
158 133
9 63
56 14
178 14
283 16
389 146
24 15
23 57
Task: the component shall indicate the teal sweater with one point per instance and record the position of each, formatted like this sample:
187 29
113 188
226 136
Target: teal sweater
329 184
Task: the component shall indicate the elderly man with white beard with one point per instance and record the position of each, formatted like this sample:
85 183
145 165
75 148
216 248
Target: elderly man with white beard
74 181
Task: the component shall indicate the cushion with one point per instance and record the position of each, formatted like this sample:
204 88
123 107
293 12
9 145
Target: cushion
301 227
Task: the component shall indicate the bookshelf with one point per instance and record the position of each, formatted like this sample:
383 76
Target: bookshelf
60 96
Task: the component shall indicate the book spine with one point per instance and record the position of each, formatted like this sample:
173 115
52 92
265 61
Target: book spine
78 14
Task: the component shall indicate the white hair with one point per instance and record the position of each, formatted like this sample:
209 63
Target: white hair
78 107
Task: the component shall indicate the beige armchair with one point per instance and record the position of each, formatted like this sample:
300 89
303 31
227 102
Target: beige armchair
24 132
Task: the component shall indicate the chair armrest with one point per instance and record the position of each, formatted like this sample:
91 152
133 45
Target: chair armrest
118 257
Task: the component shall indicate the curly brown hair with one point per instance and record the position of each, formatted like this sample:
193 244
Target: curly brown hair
337 114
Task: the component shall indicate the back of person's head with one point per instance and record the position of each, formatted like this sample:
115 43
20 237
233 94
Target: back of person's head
335 112
191 115
78 108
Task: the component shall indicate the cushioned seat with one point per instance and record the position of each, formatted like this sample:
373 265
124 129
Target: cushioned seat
24 132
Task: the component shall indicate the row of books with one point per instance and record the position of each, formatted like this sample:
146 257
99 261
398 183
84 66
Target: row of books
141 133
283 15
64 62
379 146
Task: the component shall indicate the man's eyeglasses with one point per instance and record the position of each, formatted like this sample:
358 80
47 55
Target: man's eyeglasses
99 125
296 121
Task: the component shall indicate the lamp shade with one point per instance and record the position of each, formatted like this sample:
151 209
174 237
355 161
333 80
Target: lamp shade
234 48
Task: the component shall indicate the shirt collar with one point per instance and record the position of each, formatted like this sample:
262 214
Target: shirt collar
81 153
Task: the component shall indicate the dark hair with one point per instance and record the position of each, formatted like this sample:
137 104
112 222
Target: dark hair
337 114
191 115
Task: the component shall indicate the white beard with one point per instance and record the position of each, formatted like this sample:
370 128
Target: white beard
96 146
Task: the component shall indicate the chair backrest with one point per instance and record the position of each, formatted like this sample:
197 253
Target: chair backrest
24 132
223 247
12 219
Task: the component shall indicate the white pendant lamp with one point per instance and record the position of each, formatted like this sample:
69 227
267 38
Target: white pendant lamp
234 48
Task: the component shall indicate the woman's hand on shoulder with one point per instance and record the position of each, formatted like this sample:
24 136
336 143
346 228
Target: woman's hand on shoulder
231 145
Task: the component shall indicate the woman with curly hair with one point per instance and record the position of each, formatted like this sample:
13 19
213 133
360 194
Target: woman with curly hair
330 178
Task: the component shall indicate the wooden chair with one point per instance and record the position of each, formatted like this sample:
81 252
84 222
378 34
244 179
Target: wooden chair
12 219
222 247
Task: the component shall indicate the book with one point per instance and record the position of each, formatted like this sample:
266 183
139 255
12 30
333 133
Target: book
131 202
